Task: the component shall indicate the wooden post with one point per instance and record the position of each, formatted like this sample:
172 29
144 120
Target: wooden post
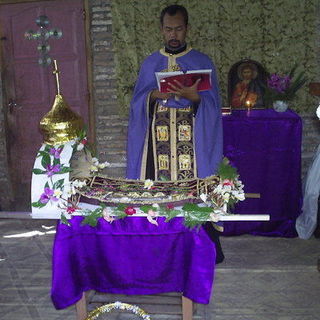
81 308
187 309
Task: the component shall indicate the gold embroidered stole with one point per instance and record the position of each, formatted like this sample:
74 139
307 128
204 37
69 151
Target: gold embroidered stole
173 138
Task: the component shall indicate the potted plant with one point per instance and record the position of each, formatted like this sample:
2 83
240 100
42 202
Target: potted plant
282 88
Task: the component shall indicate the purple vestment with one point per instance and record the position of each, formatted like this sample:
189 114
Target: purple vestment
208 123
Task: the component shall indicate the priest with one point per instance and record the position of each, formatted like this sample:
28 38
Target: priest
178 134
175 135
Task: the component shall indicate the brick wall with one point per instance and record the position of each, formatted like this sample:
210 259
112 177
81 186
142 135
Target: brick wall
111 129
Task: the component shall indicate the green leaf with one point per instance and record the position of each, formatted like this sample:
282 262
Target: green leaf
41 153
90 220
121 207
38 204
47 185
92 217
64 220
64 170
146 208
38 171
47 148
120 214
170 214
192 207
45 160
56 161
226 171
58 184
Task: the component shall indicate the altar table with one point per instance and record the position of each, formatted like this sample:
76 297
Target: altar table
265 146
131 256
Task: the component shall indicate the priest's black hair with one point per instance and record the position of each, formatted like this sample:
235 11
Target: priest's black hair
173 10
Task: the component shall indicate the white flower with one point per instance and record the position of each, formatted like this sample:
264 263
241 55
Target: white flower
107 164
239 195
94 168
57 193
101 165
226 197
318 112
148 184
156 206
78 184
203 197
95 160
80 146
218 189
214 217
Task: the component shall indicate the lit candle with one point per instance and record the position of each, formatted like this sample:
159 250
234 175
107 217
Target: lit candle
248 105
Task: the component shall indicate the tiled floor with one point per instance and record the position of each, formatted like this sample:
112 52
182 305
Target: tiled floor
261 278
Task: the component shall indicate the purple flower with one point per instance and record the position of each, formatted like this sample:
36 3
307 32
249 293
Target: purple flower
47 195
279 83
51 170
55 152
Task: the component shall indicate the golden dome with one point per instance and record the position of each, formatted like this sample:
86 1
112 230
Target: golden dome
60 124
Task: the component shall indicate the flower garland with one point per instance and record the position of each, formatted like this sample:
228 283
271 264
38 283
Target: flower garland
228 191
118 306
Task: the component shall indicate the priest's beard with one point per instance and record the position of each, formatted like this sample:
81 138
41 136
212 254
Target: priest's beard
177 49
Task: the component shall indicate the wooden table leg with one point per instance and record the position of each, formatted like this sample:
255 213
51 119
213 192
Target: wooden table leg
81 308
187 308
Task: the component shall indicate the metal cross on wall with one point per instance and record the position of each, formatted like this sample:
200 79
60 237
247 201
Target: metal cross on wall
42 35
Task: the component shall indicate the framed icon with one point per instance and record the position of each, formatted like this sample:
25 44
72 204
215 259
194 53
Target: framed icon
246 84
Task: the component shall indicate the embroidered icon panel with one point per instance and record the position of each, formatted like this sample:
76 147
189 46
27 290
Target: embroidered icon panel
162 133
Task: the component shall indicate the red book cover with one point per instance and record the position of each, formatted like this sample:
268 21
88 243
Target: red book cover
186 79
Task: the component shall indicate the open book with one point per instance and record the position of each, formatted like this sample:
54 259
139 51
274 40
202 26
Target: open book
186 79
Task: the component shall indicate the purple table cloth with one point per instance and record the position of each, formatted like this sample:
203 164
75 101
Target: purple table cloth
131 256
265 146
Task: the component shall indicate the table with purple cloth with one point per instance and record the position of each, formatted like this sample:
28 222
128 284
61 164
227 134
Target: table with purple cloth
265 146
131 256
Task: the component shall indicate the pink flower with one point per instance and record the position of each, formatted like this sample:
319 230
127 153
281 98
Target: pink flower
152 213
107 215
130 211
227 182
71 210
55 152
47 195
170 206
84 141
51 170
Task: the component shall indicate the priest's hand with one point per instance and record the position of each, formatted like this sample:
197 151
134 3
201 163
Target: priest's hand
190 93
156 94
